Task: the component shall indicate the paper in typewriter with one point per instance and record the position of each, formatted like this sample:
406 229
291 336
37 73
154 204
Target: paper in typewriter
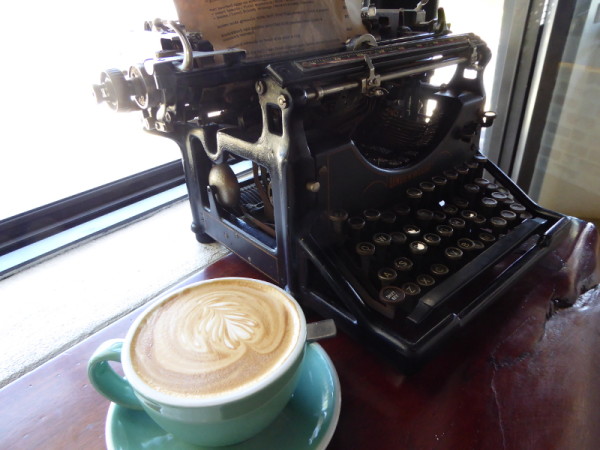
271 28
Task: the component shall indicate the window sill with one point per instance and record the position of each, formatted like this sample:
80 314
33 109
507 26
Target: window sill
51 306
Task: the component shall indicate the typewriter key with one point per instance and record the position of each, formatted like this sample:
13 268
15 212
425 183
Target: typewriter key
391 295
401 210
517 208
382 242
424 218
498 225
463 172
411 231
412 291
490 188
483 183
428 189
337 219
452 178
357 225
439 270
454 256
488 206
414 197
386 276
403 266
425 281
433 241
441 184
418 250
471 193
486 238
398 242
450 209
458 225
371 216
365 250
444 231
388 219
465 244
473 166
499 196
510 217
392 299
461 203
439 217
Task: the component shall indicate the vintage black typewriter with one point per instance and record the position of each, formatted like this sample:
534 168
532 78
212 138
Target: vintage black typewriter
347 177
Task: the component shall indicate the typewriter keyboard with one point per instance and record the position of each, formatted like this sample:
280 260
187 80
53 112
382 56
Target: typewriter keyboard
403 254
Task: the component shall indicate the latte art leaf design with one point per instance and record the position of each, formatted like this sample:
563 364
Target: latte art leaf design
214 338
223 324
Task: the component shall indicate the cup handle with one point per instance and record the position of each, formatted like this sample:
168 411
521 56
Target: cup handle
108 382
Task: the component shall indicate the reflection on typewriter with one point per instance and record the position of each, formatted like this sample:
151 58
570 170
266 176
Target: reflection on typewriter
348 177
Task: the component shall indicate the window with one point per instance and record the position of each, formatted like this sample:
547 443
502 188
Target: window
58 145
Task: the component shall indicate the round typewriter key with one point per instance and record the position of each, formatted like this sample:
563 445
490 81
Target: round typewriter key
483 183
444 231
450 210
499 196
463 172
506 202
509 216
356 224
479 221
401 210
411 231
425 281
414 197
439 217
386 276
372 217
488 206
398 240
432 239
452 178
388 219
458 225
492 187
468 215
424 217
337 218
439 270
428 188
478 245
517 208
471 192
461 203
418 250
465 244
391 295
365 250
441 184
403 265
454 256
486 238
411 289
498 225
382 242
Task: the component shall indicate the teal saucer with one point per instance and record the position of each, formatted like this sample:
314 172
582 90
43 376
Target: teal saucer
307 422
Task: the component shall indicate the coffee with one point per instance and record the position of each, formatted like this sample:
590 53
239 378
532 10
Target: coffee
215 338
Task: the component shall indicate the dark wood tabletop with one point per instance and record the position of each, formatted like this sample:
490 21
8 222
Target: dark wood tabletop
524 376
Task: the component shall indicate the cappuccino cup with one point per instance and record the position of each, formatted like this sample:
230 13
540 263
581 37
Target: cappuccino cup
213 363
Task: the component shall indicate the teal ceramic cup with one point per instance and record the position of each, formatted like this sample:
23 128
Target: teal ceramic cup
216 419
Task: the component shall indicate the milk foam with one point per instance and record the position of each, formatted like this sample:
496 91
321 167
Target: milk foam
215 338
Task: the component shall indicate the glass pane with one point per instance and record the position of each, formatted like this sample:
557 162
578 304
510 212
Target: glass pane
566 174
56 141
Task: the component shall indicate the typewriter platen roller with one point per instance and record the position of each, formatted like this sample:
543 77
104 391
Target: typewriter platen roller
348 177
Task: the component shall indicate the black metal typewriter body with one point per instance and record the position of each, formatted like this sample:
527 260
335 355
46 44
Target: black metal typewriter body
347 177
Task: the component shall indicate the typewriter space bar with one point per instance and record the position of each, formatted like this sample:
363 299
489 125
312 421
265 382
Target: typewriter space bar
491 256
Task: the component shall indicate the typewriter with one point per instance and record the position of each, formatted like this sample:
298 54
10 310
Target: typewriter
347 177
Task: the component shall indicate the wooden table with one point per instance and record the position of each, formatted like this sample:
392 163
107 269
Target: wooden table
525 376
